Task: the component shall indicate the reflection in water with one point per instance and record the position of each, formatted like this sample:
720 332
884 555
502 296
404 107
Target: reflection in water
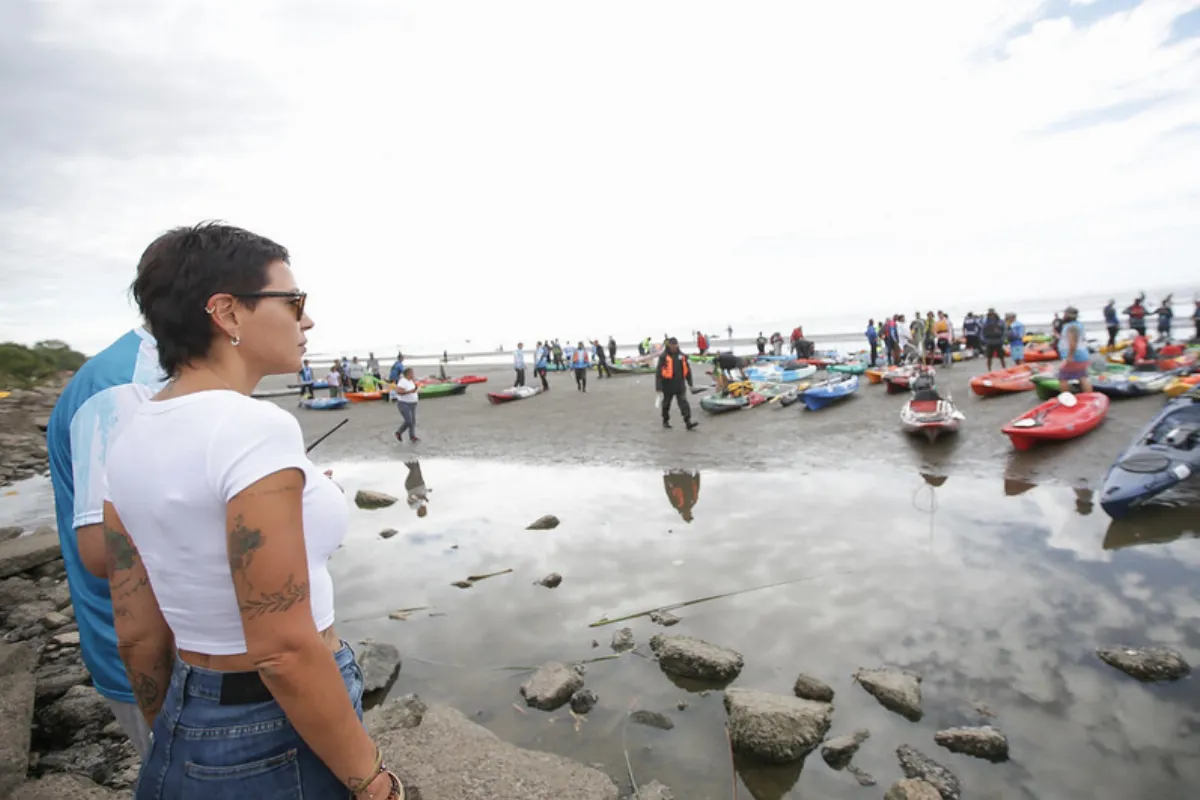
1152 525
934 480
1083 501
772 782
1014 487
414 486
683 490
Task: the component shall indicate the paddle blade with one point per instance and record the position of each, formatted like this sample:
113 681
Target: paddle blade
1028 422
1067 399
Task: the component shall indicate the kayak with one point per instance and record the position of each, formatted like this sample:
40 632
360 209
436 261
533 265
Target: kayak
515 393
775 375
1003 381
1048 385
721 403
1132 384
632 369
1036 353
324 403
313 385
826 393
1181 385
1065 417
848 369
1038 338
875 374
441 389
466 379
363 397
1163 455
927 412
899 379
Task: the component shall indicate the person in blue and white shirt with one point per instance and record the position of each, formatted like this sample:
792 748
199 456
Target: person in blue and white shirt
519 364
88 418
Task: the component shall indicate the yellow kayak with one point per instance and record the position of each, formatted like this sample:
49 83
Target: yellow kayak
1181 385
4 395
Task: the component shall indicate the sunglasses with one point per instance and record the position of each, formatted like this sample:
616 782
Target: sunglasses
297 299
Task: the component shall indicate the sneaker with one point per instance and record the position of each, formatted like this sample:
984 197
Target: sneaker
399 436
691 426
666 425
414 440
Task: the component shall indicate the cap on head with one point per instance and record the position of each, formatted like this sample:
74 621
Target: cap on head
1071 311
672 340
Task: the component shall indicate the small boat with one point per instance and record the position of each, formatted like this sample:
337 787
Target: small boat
928 413
1132 383
899 379
365 397
773 391
440 389
1065 417
515 393
467 379
1164 454
1048 385
776 375
875 374
1005 381
1181 385
323 403
820 395
1040 352
849 368
722 403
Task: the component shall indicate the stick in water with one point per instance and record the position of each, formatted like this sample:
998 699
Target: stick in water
326 436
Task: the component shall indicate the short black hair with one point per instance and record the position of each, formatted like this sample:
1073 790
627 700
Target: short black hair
184 267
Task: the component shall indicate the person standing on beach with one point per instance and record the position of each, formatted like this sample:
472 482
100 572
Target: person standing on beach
306 380
1016 338
88 417
993 338
1165 315
872 340
557 354
541 362
701 343
777 343
612 349
945 338
673 379
397 368
407 396
1074 352
373 366
729 330
1137 314
519 364
602 370
1112 322
579 362
761 343
334 380
355 374
971 332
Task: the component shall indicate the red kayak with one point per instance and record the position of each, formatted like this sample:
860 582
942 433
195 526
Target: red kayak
515 393
1058 420
470 379
899 379
1002 381
1040 352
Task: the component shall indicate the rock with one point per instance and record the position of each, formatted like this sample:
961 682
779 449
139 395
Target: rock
77 716
546 523
58 595
983 741
654 791
550 581
27 552
551 686
1146 663
53 620
910 789
17 591
403 713
17 663
584 701
372 500
917 765
664 618
52 570
59 786
54 679
105 761
863 777
68 639
895 690
838 752
682 705
622 640
10 532
689 657
450 757
388 533
379 662
28 614
773 728
652 719
812 689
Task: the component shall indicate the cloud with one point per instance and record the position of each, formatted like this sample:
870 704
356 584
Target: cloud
490 158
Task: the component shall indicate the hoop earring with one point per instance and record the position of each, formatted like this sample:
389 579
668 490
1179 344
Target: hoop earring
235 340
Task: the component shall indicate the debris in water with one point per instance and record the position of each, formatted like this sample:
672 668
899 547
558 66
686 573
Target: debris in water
371 500
583 701
622 640
388 533
652 719
550 581
548 522
402 614
463 584
664 618
478 578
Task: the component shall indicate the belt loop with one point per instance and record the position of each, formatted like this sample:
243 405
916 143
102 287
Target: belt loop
173 703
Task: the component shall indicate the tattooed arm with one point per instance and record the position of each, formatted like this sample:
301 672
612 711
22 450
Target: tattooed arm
269 566
144 641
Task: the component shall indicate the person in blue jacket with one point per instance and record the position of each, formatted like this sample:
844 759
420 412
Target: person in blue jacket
1072 348
1016 338
397 368
541 364
1112 322
872 340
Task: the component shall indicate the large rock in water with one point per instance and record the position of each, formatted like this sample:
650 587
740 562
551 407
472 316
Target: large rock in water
60 787
689 657
910 789
371 500
27 552
894 689
837 752
918 766
775 728
17 663
551 686
810 688
546 523
451 758
379 662
983 741
1146 663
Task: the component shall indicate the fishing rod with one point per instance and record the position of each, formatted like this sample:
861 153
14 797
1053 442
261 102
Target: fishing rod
308 449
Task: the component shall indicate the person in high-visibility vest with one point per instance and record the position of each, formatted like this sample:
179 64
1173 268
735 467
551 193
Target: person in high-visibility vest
683 489
579 362
672 379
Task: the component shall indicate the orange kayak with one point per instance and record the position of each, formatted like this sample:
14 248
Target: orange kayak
875 375
363 397
1037 353
1004 381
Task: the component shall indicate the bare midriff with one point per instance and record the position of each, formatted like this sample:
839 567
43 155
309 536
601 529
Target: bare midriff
243 662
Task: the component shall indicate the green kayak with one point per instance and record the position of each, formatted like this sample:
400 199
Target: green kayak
1048 386
849 369
441 389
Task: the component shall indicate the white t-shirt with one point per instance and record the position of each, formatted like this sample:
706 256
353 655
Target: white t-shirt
170 476
407 385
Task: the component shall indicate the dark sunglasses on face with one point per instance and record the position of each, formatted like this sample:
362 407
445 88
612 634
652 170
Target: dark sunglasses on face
297 299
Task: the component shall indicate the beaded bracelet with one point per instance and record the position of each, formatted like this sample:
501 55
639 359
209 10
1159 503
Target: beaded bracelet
362 785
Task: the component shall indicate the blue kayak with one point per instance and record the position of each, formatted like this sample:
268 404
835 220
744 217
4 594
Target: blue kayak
777 375
1166 453
324 403
828 392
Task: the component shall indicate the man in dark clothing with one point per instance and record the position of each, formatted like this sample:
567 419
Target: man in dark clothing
602 370
761 342
673 379
683 490
993 338
971 332
1137 314
1112 322
612 349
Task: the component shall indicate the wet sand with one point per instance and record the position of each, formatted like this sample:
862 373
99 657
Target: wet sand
615 423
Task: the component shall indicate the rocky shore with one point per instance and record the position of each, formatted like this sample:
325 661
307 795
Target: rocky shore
23 418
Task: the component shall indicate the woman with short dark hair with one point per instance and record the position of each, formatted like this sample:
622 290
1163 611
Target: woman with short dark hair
218 530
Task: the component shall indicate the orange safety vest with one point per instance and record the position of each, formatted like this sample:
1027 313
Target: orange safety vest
581 359
668 370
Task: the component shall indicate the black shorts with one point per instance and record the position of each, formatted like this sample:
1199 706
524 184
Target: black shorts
995 350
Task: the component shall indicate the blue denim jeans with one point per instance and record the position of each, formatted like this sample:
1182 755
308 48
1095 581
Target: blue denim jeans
408 413
206 751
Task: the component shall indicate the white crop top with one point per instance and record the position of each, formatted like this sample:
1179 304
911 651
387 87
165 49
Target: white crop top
169 477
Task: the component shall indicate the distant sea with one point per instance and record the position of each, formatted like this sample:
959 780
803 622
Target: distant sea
843 331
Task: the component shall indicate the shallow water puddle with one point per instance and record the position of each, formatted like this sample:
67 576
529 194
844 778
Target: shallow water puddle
995 597
27 503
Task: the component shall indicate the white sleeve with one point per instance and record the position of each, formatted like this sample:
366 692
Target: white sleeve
256 440
96 425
